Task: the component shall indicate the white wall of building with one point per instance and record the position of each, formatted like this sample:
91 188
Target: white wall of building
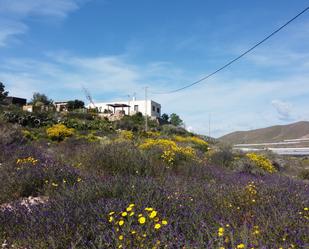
152 109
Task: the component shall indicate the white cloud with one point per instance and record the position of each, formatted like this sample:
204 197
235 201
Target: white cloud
106 77
284 109
14 14
9 29
58 8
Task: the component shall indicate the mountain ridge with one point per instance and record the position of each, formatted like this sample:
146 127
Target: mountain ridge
274 133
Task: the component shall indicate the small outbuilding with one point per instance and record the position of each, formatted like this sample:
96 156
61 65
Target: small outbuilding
15 101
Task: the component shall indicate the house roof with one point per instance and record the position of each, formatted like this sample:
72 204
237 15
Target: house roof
118 105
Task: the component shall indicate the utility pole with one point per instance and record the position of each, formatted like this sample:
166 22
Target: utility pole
146 117
129 96
209 118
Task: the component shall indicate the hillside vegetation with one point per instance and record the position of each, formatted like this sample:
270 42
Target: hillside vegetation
76 181
270 134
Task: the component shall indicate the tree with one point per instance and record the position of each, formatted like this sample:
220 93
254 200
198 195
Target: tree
40 99
75 104
165 117
175 120
3 93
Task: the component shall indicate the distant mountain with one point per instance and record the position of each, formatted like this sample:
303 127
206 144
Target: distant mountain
270 134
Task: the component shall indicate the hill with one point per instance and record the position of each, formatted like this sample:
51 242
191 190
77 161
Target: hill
270 134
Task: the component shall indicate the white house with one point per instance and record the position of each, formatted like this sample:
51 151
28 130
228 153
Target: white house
130 107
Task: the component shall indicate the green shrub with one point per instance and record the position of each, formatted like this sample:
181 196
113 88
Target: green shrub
10 134
245 165
32 135
304 174
170 130
134 123
223 156
25 176
80 124
80 115
110 158
35 119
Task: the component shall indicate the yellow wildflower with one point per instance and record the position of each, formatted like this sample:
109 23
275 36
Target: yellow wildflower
240 246
121 222
153 214
164 222
220 231
157 226
121 237
142 220
261 162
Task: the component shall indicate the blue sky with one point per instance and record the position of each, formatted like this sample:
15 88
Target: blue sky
116 47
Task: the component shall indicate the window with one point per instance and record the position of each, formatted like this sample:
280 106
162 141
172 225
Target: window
153 108
136 108
158 110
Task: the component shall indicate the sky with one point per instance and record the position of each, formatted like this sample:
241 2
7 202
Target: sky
115 48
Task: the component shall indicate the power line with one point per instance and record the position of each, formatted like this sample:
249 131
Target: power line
237 58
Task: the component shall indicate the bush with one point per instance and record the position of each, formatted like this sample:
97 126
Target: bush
168 150
134 123
111 158
59 132
261 162
222 156
29 173
80 115
32 135
304 174
246 166
10 134
197 142
36 119
126 135
84 125
170 130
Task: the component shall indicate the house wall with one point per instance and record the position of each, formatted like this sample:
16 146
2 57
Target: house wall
141 104
155 109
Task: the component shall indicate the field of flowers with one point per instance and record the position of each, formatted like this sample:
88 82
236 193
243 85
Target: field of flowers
149 190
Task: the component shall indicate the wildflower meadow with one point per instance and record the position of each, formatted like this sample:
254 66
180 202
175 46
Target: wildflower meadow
97 186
